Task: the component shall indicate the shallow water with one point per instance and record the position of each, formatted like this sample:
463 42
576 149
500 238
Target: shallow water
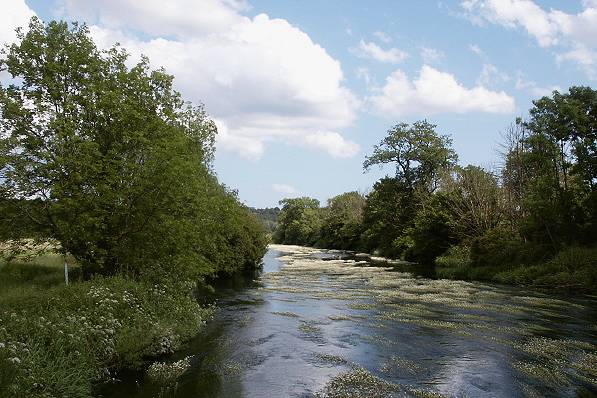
312 316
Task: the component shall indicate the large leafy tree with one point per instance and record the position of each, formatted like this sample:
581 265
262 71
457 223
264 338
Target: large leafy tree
550 171
342 221
109 160
299 221
421 157
418 153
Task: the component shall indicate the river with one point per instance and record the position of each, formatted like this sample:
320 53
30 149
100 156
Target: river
321 323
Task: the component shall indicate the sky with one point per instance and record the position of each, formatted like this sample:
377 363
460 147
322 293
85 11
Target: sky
302 90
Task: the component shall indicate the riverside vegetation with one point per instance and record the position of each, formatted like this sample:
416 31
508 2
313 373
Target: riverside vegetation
106 167
531 221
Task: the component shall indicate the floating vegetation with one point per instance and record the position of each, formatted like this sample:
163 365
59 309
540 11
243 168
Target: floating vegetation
547 375
339 317
286 313
358 383
397 365
167 373
309 328
386 306
424 393
586 366
331 359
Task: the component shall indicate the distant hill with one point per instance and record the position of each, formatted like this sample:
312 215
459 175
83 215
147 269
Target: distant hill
268 216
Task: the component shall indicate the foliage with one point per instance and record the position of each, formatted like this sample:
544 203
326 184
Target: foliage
341 227
419 154
388 212
299 221
475 201
112 163
574 269
268 217
529 223
59 341
431 233
400 219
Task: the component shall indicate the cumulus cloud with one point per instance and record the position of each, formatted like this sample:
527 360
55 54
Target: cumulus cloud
262 78
373 51
332 143
14 14
434 91
285 189
181 18
572 34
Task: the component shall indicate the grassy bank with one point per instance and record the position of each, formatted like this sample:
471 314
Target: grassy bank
572 270
58 341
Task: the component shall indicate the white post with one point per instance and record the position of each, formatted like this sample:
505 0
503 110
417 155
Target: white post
65 271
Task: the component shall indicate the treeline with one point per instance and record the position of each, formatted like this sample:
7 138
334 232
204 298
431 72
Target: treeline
110 162
533 220
268 217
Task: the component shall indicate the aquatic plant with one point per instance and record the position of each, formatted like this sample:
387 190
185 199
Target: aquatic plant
167 373
358 383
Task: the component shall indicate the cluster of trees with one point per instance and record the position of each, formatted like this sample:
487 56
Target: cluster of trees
268 217
110 162
541 200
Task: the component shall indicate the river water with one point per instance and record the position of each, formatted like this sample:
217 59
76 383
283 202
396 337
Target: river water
317 323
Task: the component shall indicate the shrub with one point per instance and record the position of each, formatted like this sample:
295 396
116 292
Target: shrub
66 338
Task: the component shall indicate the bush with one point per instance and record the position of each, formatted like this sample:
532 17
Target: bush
59 341
572 269
502 247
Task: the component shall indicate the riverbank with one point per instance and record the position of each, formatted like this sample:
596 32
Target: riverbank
571 271
59 341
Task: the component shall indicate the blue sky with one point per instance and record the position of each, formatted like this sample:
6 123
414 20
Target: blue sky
302 90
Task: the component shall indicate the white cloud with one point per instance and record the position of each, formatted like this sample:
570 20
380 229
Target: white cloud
333 143
285 189
181 18
477 50
491 75
533 88
15 14
431 55
373 51
436 92
573 34
262 78
364 74
382 36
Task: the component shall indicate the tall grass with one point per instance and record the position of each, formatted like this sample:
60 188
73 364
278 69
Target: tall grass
573 269
57 340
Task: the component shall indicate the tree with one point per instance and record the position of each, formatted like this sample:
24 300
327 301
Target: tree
118 163
475 201
389 212
549 169
422 157
418 152
299 221
342 221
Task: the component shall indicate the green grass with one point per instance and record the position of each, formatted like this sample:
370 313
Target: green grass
58 341
574 269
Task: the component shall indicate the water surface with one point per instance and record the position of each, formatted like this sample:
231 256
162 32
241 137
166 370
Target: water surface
315 315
